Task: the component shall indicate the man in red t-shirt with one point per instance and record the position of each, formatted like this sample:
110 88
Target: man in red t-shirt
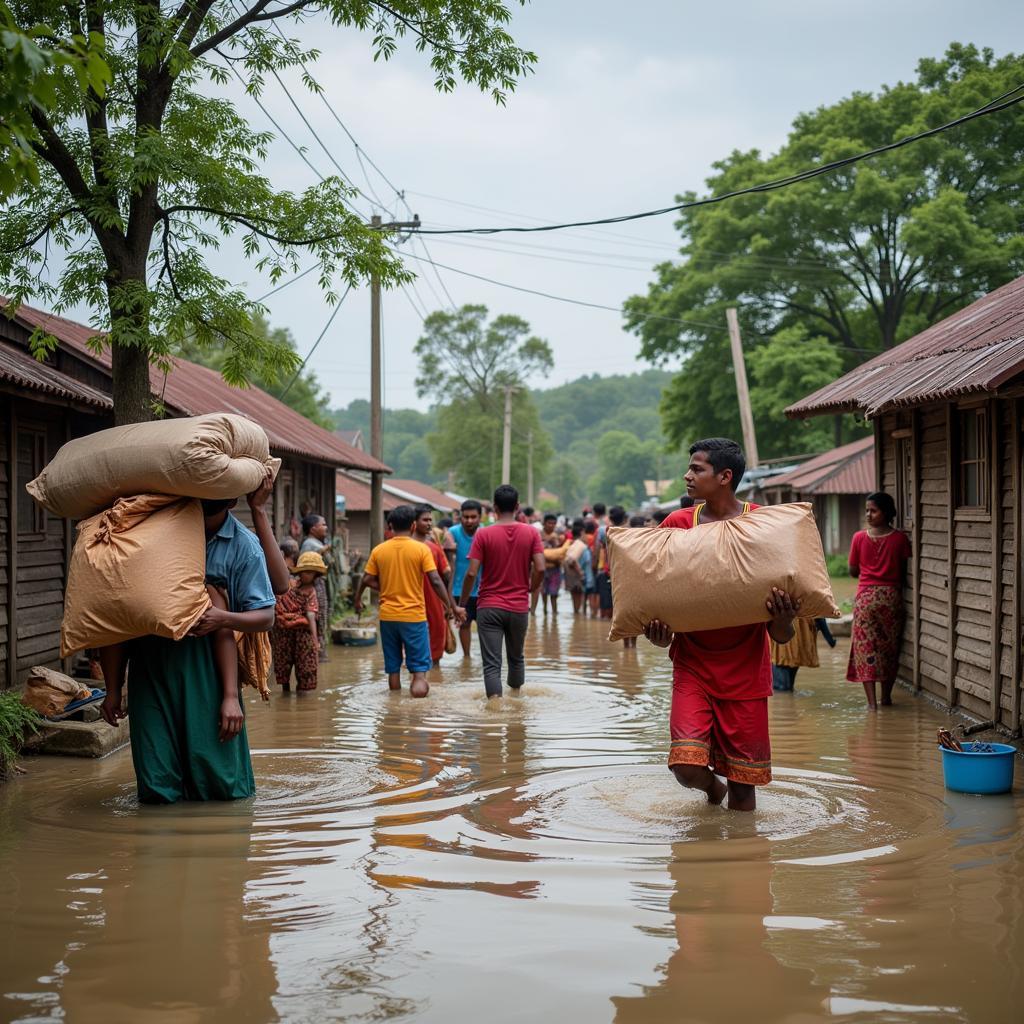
513 556
721 678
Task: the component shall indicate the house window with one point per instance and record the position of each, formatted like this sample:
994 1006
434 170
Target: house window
31 460
905 482
972 455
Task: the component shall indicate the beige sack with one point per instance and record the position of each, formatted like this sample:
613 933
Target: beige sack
50 692
718 574
216 456
137 569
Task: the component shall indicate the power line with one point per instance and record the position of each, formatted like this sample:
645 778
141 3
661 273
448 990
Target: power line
330 320
563 298
992 107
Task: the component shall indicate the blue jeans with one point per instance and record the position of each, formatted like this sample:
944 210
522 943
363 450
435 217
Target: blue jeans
413 637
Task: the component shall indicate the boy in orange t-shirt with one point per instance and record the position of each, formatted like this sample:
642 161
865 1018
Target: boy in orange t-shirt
396 569
721 678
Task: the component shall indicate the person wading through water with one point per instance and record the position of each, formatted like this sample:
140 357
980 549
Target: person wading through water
462 533
512 557
721 678
188 730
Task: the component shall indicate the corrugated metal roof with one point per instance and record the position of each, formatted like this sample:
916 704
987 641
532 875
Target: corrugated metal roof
422 493
849 469
974 350
18 367
193 390
357 494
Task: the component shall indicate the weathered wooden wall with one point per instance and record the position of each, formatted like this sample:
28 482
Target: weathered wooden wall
961 639
35 545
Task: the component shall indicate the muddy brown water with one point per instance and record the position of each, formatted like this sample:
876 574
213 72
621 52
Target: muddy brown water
529 859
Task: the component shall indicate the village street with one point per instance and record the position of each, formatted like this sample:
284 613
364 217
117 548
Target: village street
422 859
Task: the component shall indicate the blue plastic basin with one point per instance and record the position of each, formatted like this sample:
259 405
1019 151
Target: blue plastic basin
977 772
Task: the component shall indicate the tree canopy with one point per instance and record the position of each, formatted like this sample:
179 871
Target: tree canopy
863 257
301 391
140 180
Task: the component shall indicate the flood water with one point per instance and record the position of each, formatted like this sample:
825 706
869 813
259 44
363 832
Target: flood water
529 859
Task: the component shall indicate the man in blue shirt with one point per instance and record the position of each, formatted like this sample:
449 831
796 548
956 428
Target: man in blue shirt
188 731
463 535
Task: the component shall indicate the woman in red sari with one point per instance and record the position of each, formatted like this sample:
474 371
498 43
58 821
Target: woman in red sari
437 618
878 558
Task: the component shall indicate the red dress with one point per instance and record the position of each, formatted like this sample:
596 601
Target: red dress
437 622
721 681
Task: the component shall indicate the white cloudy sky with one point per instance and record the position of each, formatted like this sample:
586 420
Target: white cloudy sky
630 104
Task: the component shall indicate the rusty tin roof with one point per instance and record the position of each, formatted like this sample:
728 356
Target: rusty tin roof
193 390
974 350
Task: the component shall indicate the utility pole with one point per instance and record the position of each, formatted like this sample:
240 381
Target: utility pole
506 443
742 393
376 387
529 469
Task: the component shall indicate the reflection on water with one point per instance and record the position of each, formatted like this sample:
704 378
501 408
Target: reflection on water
524 859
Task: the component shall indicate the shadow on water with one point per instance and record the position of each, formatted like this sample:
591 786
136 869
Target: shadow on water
528 858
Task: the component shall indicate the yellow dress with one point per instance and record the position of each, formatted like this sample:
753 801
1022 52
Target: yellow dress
802 650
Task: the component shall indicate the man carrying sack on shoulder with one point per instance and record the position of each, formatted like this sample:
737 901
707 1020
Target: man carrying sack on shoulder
721 678
188 731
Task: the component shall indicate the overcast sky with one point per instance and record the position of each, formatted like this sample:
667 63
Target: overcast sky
630 104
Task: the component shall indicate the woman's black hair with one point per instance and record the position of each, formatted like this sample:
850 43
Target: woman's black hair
884 503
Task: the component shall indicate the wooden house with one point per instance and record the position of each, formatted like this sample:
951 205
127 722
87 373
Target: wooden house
354 498
47 403
836 484
946 410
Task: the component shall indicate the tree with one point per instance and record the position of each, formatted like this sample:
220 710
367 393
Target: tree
468 439
785 369
625 462
467 363
32 65
864 257
463 358
139 181
301 391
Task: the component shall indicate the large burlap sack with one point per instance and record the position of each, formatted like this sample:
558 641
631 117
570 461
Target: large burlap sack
137 569
718 574
50 692
216 456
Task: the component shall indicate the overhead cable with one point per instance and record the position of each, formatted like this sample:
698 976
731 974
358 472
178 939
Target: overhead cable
309 355
992 107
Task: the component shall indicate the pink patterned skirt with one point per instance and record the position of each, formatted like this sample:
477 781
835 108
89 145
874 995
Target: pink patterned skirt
878 615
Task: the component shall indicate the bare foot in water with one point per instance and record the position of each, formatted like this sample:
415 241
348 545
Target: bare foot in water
716 794
419 686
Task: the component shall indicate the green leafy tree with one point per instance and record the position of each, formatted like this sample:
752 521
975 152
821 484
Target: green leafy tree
467 363
625 462
33 63
139 181
463 358
864 257
785 369
468 439
405 433
302 392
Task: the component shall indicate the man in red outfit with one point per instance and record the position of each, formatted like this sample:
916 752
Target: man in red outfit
722 678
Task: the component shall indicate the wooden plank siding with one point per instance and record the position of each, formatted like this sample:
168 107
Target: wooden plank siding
963 629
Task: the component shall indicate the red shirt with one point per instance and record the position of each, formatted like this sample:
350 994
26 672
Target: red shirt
879 560
732 663
506 551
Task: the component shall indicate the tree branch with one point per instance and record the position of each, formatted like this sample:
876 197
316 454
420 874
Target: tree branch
218 37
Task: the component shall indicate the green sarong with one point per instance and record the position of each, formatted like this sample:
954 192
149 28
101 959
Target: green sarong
174 699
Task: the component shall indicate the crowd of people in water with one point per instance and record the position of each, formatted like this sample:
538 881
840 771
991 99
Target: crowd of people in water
498 568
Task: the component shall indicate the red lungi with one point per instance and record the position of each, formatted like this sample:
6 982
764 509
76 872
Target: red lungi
728 736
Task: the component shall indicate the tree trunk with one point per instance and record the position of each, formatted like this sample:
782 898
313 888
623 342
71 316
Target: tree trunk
126 276
133 402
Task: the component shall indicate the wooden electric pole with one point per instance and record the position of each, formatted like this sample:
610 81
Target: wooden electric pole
376 388
506 441
529 470
742 392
